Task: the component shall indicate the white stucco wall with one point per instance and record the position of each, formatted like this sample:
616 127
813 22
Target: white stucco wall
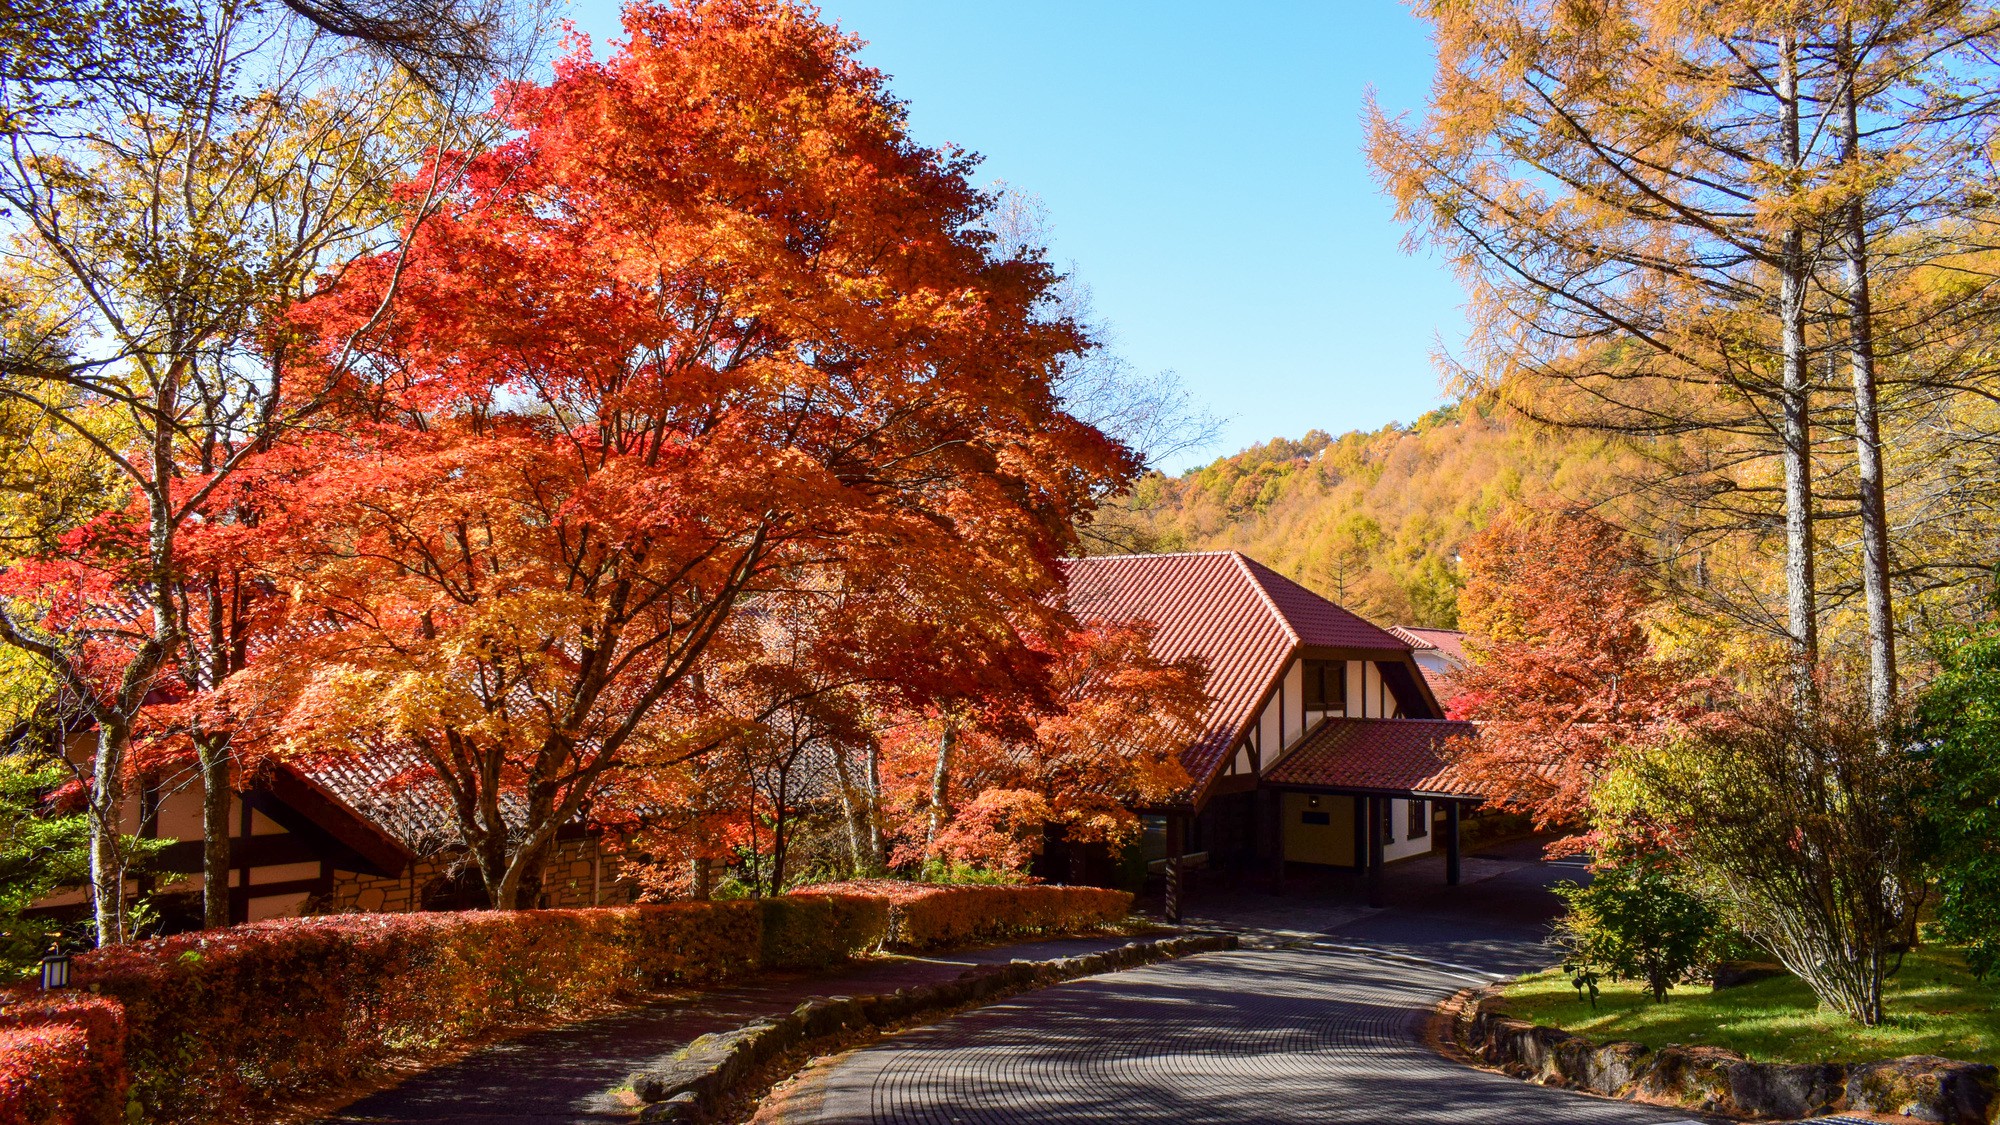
1399 845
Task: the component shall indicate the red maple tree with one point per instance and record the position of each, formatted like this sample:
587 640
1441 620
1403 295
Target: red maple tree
712 327
1563 670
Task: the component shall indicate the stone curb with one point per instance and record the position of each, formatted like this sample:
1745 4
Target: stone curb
703 1073
1713 1080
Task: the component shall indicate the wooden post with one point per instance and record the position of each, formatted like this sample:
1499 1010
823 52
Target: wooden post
1276 805
1363 810
1375 851
1451 843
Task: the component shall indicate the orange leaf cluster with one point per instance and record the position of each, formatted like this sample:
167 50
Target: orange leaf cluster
1564 671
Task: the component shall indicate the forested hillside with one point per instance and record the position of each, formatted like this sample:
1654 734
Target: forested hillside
1372 520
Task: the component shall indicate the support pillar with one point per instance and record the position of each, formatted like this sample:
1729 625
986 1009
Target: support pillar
239 898
1274 804
1375 896
1451 843
1176 848
1363 816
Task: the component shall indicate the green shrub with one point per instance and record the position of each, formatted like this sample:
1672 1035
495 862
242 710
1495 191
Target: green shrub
1958 729
1632 923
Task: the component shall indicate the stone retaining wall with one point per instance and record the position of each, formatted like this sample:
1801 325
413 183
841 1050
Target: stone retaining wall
712 1067
576 875
1712 1080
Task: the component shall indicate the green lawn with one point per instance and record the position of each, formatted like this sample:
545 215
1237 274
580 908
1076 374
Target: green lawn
1934 1005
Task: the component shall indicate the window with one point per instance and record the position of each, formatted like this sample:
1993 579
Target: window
1420 822
1388 819
1326 685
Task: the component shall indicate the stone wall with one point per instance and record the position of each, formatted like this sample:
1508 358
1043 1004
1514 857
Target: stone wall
1712 1080
443 882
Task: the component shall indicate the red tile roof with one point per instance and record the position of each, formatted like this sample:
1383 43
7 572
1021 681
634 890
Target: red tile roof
1315 620
392 790
1241 618
1439 652
1395 755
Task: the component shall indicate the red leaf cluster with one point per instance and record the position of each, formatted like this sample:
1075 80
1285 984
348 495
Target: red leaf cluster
1564 670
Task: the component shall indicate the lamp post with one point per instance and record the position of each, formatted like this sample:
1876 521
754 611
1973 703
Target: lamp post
55 967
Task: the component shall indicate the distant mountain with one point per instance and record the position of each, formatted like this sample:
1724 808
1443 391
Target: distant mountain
1372 520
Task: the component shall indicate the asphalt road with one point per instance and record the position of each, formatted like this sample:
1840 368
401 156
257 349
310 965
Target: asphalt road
1319 1024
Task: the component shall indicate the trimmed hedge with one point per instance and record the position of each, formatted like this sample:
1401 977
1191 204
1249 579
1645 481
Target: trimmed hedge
61 1060
237 1018
813 931
928 915
223 1026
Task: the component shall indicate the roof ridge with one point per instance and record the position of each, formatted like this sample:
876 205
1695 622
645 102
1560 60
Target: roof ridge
1394 719
1386 630
1148 555
1243 563
1408 634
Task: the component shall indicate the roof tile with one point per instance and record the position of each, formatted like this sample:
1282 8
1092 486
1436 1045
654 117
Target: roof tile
1241 618
1399 755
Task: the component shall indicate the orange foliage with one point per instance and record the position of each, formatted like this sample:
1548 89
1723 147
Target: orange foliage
712 328
1107 740
1563 670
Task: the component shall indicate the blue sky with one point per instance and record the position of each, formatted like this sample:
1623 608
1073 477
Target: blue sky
1203 172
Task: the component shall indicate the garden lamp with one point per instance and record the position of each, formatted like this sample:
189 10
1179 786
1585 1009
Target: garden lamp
55 967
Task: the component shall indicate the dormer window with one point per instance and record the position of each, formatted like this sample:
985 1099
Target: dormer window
1326 686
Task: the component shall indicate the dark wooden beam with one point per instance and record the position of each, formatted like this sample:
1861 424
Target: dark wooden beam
243 895
1274 823
1451 843
1361 807
381 850
1375 807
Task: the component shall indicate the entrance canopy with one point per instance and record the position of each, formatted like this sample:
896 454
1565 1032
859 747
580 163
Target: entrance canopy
1403 757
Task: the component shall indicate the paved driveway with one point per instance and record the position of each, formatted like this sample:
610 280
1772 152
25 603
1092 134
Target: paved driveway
1318 1023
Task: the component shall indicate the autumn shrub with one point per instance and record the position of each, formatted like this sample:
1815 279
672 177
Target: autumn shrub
1802 831
925 915
810 931
62 1061
225 1021
226 1025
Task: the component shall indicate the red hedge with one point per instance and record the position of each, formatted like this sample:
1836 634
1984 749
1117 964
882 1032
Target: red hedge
236 1019
61 1060
927 915
225 1025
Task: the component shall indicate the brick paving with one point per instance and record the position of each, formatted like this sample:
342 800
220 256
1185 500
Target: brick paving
1299 1029
1251 1036
570 1075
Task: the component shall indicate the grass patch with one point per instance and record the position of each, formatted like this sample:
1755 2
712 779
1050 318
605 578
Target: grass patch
1935 1007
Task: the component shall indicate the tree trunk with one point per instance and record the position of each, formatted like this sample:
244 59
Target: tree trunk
528 883
1802 620
941 786
850 810
212 751
1867 424
107 815
780 834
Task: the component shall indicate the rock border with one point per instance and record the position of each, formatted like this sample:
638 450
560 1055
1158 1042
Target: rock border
700 1076
1714 1080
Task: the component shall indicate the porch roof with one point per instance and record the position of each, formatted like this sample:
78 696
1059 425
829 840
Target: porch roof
1377 755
